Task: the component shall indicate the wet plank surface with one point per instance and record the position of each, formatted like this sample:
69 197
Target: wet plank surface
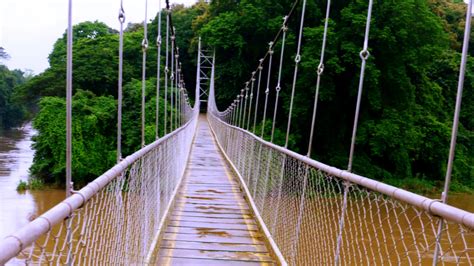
211 223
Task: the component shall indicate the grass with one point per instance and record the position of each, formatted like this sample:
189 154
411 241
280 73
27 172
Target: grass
31 184
22 186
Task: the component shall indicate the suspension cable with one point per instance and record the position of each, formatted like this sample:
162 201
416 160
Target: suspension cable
454 132
241 105
295 75
158 70
280 69
269 54
280 31
246 97
69 186
121 18
251 100
172 77
144 50
181 82
267 90
455 127
166 67
176 57
320 71
297 61
178 95
259 69
364 55
174 51
234 105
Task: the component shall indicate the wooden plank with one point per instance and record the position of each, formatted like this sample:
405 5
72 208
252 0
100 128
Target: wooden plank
208 202
214 254
211 215
213 208
200 197
213 246
210 179
223 187
210 182
207 207
203 183
210 209
211 196
213 193
207 262
214 226
213 220
213 238
231 232
216 191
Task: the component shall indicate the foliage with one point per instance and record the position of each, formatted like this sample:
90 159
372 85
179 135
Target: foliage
93 149
11 112
22 186
3 53
409 90
95 56
31 184
132 115
184 21
407 102
94 131
279 136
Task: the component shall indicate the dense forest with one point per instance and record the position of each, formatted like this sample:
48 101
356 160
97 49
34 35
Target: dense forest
407 104
11 110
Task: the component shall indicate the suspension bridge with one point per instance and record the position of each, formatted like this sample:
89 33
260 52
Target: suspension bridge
213 191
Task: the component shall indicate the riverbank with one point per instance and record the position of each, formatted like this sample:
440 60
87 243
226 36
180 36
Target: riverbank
428 187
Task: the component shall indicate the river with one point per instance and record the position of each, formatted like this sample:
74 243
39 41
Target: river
16 156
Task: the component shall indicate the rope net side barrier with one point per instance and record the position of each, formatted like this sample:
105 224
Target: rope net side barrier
317 214
115 218
383 224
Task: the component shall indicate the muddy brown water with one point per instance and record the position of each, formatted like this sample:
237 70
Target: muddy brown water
17 209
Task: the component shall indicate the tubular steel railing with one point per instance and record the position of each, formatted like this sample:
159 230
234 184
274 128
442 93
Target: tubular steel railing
301 202
114 220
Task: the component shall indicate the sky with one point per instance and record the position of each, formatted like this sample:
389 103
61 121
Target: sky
29 28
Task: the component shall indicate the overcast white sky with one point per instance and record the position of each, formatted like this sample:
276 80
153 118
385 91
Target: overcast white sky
29 28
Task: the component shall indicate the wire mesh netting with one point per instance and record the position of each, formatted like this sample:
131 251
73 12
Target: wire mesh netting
308 209
116 218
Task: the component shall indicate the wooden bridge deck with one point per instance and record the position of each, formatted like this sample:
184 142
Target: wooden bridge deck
211 223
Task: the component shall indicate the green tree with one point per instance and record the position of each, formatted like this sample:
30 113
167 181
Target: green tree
409 88
95 59
93 147
3 53
11 112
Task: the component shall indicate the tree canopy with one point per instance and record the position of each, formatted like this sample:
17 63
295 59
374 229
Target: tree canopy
409 91
11 111
407 103
3 53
